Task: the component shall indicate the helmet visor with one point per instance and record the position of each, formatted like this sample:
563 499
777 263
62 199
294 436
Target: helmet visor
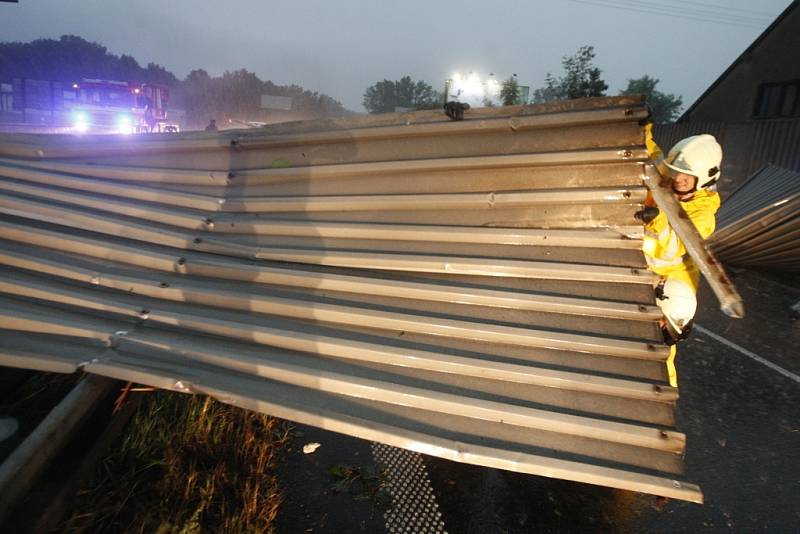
677 164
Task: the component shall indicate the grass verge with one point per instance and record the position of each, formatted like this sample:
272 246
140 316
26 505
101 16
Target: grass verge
187 463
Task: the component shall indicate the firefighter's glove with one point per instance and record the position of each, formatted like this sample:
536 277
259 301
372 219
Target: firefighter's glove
659 291
647 214
455 110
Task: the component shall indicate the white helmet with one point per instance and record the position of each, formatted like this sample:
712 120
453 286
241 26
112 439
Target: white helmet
678 302
698 155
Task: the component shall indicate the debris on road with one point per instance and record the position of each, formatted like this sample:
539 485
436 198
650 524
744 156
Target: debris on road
310 448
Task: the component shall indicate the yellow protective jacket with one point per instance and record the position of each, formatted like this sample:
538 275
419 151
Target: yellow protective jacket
665 254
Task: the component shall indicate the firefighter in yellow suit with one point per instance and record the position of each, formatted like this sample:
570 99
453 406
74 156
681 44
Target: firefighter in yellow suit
693 165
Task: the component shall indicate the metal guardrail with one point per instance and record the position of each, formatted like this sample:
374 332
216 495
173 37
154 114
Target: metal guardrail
473 290
20 471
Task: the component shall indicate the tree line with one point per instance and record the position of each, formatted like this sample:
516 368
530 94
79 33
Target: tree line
235 94
580 78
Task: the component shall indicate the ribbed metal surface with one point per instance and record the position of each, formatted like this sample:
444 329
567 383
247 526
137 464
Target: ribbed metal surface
472 290
759 225
666 135
777 143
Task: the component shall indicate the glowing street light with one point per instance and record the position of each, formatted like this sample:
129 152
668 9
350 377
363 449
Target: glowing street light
470 89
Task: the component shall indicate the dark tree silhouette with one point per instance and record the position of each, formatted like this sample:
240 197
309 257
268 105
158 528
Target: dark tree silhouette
581 79
386 96
665 107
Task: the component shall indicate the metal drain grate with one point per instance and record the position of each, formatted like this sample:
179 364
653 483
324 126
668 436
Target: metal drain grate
414 507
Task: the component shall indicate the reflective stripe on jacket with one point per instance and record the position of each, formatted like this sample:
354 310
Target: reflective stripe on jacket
665 254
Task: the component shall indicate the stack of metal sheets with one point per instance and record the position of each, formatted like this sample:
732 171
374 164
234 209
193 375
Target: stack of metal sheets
473 290
759 224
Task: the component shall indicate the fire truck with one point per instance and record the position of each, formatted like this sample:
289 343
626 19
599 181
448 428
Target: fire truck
88 106
106 106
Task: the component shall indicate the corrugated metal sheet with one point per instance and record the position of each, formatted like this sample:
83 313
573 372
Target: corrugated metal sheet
777 142
472 290
759 225
666 135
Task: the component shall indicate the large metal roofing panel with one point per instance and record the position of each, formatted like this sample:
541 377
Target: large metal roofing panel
759 225
473 290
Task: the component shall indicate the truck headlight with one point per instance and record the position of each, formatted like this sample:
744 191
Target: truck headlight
124 124
80 122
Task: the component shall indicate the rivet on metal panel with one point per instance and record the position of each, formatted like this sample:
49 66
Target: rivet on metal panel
209 222
651 347
115 338
198 240
235 144
635 272
95 279
231 176
628 112
642 308
657 388
676 484
663 434
144 314
626 194
163 284
181 261
627 153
